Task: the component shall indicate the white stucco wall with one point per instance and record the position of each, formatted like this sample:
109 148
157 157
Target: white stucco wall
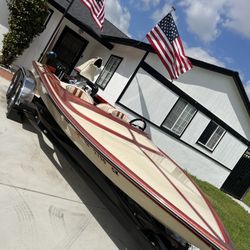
228 151
4 27
148 97
217 92
131 59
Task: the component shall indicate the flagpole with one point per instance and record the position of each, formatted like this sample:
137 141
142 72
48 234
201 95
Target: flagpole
171 10
56 30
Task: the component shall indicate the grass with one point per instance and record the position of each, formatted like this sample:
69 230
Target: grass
235 219
246 199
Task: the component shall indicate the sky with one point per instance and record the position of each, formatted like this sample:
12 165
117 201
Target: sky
214 31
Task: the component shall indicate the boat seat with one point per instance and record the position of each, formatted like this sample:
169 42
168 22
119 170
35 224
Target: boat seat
76 91
120 115
106 107
113 111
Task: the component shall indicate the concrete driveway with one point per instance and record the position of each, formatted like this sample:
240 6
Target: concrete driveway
45 203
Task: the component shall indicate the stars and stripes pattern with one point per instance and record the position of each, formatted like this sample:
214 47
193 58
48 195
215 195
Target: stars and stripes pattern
165 40
96 8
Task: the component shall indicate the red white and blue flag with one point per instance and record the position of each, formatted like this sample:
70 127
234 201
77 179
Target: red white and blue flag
165 40
96 8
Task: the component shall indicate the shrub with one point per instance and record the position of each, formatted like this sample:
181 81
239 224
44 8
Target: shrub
26 21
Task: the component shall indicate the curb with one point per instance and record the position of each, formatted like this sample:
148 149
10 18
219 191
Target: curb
5 73
242 204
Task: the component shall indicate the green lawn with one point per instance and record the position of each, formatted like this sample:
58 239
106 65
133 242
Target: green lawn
235 219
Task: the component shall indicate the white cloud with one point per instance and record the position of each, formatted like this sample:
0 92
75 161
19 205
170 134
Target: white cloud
118 15
247 88
238 17
205 18
160 13
200 54
144 4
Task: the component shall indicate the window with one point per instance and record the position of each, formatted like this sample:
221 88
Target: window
108 71
211 135
179 117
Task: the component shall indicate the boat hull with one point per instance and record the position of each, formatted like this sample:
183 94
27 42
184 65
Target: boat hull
127 184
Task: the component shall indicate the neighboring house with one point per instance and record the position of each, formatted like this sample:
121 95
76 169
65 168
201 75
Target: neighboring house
200 120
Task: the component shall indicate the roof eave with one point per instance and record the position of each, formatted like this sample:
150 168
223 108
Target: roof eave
129 42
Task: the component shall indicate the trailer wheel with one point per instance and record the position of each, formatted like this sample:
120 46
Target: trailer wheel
15 78
14 91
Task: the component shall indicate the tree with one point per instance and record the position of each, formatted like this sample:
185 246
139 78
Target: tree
26 21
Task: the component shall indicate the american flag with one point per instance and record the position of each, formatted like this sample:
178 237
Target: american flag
165 40
96 8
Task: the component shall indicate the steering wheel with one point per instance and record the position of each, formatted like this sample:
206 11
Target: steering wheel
143 127
94 88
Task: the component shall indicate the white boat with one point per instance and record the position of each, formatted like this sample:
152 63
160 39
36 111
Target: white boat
127 156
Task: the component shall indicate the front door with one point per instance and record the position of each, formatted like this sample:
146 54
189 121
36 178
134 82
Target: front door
238 181
69 49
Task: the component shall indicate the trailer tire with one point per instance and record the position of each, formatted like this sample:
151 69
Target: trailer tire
15 77
14 90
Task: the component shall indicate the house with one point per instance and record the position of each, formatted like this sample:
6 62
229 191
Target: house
200 120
